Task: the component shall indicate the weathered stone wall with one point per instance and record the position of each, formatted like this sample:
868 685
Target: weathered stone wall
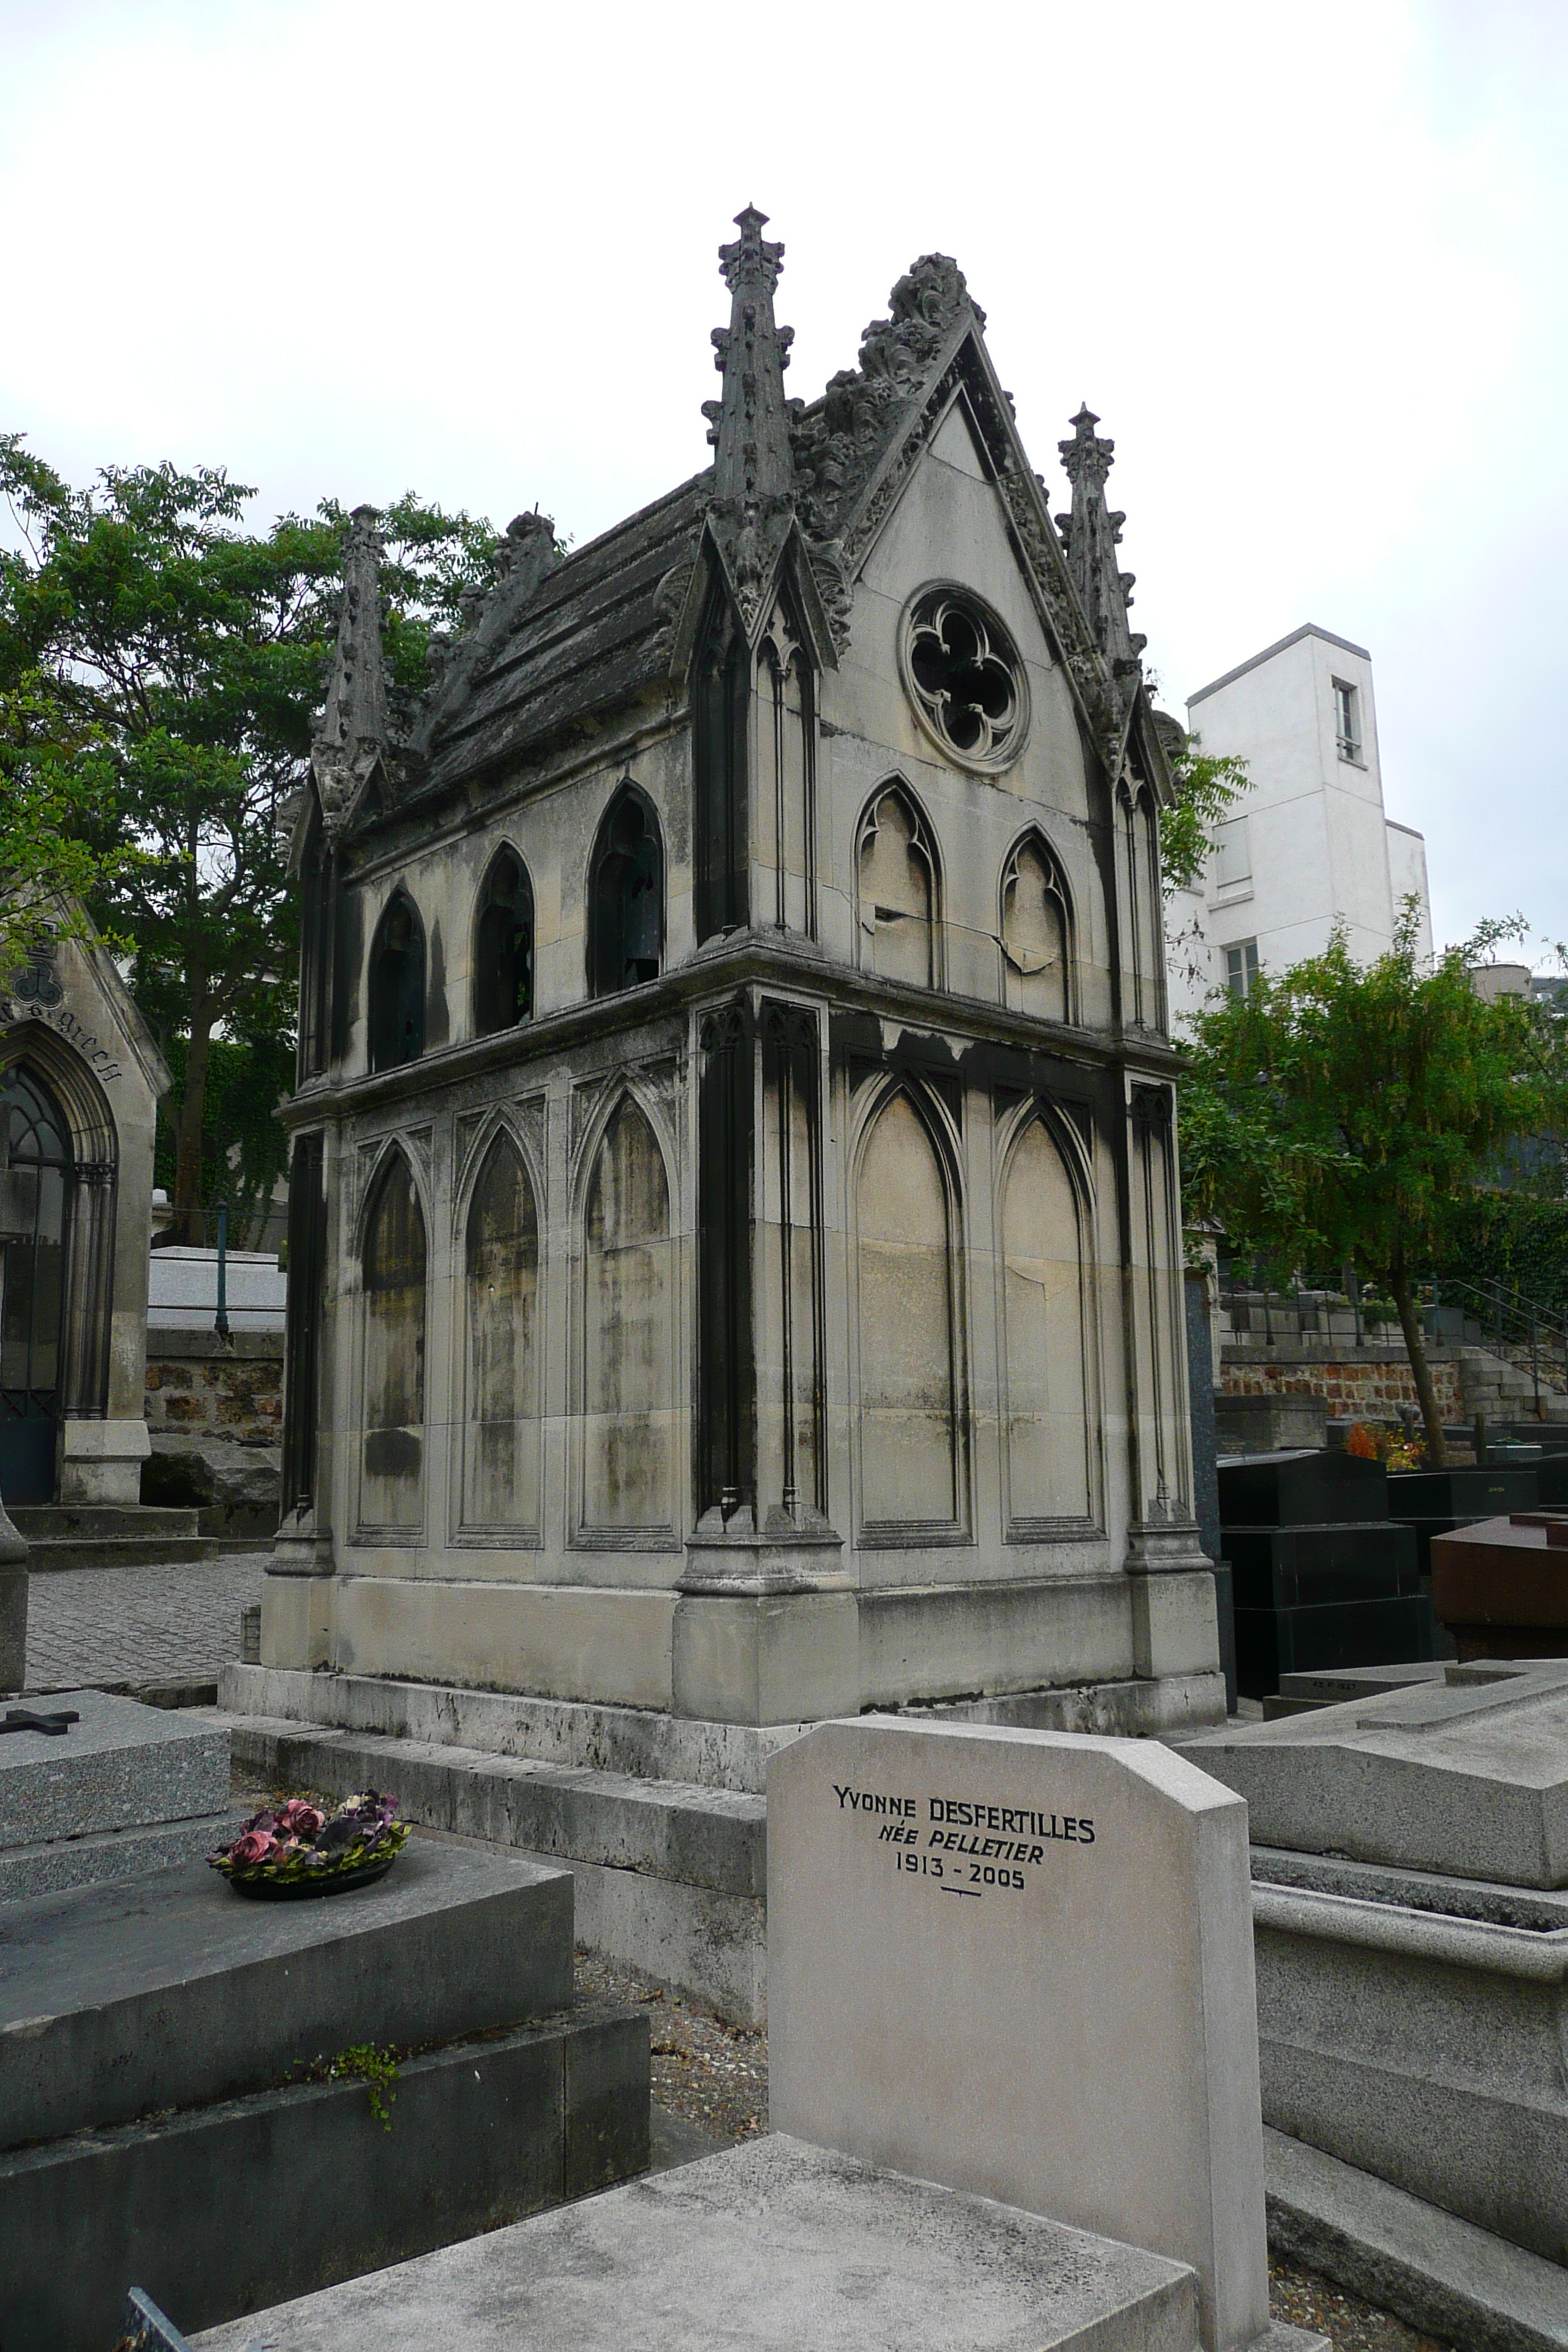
215 1415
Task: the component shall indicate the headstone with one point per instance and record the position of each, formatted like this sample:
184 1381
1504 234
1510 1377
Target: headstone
1020 1964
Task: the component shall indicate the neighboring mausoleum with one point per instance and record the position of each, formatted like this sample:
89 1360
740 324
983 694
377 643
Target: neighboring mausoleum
80 1078
734 1257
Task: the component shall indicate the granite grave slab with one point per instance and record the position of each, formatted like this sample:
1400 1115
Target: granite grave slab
1467 1780
219 2207
120 1765
770 2245
119 1998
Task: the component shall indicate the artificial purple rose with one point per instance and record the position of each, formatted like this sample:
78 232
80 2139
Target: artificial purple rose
300 1819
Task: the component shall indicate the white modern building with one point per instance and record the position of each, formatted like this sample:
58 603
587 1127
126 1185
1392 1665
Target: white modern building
1309 845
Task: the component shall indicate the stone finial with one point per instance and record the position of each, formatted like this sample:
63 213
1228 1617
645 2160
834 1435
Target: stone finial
1092 534
353 731
753 505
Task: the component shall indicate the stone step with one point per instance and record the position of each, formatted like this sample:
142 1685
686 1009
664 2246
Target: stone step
643 1741
99 1521
1437 2273
118 1551
669 1830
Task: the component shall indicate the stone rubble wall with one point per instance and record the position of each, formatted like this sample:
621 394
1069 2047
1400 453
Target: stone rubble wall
215 1415
1374 1382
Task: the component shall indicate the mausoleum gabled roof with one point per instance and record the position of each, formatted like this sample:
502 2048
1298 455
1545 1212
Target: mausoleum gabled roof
562 643
594 632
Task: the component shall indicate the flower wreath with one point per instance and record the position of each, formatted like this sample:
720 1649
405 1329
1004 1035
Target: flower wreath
300 1841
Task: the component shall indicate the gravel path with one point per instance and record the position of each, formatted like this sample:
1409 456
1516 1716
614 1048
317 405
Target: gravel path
87 1626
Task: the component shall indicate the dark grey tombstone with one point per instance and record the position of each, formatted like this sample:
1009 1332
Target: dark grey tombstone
1206 1477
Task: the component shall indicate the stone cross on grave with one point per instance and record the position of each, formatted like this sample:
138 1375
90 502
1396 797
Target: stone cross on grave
23 1719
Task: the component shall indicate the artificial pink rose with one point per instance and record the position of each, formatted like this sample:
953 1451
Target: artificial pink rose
253 1847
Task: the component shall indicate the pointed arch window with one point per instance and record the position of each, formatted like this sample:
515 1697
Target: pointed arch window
1037 933
628 1334
503 947
721 717
1047 1423
500 1461
397 985
625 896
392 1479
1144 982
898 890
910 1386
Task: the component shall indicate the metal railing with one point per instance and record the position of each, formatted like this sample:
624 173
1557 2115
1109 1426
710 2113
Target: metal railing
1514 1328
1517 1329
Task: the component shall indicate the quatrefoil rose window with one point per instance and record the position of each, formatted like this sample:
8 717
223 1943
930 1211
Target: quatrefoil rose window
964 678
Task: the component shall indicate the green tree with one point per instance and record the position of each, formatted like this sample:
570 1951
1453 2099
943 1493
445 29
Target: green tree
1349 1115
1207 787
160 667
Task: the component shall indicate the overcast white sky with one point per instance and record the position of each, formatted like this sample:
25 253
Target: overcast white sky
1310 265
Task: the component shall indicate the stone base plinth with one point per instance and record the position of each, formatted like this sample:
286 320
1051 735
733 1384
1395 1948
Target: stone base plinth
101 1461
752 1647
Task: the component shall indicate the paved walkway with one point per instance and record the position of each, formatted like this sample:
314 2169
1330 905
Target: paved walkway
89 1625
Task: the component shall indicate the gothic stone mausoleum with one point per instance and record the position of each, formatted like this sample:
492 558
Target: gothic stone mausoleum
734 1262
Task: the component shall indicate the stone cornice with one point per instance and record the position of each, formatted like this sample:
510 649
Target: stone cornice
743 960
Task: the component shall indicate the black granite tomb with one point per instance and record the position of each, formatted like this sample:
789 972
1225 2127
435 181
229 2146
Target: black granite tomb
1274 1641
1320 1489
1310 1567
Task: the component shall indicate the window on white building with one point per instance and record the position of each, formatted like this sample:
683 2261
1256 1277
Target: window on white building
1347 721
1241 967
1232 858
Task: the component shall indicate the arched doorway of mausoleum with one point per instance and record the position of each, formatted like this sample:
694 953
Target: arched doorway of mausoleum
57 1244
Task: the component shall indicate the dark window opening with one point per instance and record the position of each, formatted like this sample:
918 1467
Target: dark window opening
397 987
315 949
722 693
967 679
503 948
626 897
